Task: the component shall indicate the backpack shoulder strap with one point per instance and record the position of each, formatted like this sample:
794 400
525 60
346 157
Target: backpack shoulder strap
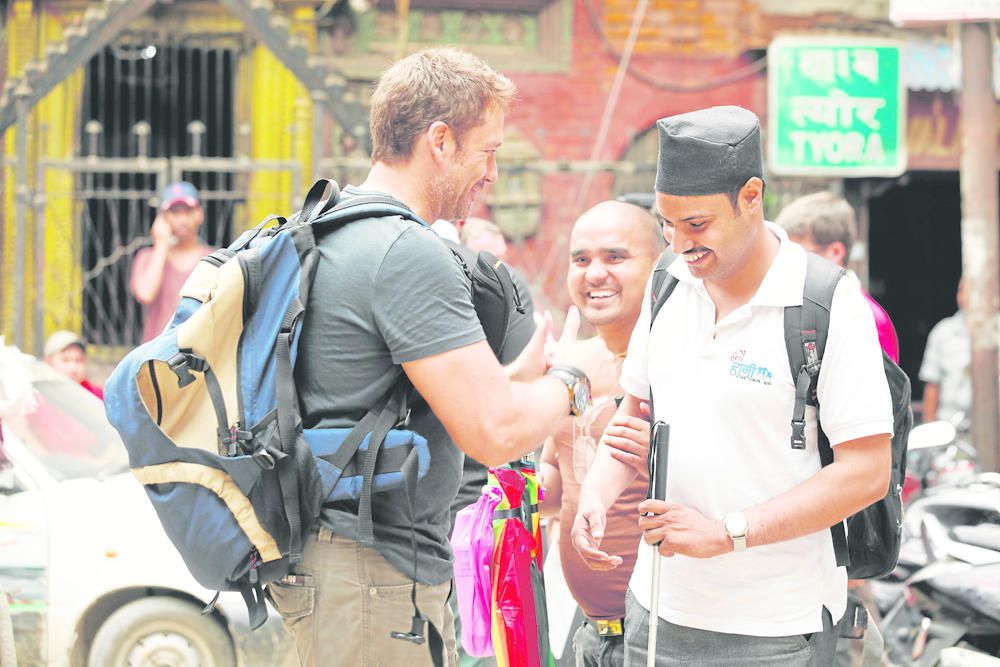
663 285
806 329
322 196
362 207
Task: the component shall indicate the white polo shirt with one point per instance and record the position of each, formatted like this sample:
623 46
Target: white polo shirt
726 390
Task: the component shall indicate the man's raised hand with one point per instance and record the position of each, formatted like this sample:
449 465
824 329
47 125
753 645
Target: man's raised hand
588 531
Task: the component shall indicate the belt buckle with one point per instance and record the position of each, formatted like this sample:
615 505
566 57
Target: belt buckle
609 628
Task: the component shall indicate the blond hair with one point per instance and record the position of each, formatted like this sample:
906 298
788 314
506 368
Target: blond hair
475 227
446 85
824 216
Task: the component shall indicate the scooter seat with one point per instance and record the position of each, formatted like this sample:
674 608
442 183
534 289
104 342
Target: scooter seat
985 535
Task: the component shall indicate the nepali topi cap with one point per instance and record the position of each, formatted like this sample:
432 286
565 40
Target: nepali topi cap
708 152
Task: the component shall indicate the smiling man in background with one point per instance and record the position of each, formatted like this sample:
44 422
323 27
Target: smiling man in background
613 248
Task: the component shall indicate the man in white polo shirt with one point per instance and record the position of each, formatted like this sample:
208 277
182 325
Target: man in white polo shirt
751 577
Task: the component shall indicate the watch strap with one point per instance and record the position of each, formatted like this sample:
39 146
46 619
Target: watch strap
576 382
739 539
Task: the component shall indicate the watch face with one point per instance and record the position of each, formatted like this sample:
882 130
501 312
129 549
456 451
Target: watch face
736 525
581 397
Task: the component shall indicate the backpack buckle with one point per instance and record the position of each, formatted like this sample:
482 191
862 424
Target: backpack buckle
267 459
813 362
183 363
227 441
798 434
855 621
416 633
181 368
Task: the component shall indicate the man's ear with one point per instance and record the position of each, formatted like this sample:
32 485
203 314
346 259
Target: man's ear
439 140
752 195
836 252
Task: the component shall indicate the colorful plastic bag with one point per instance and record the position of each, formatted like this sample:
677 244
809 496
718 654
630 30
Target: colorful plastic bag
520 633
472 542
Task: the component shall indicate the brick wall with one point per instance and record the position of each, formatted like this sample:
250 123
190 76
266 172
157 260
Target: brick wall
561 115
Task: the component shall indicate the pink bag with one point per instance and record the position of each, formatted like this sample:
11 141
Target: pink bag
472 543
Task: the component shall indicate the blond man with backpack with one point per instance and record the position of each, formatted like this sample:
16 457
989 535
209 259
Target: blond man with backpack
390 303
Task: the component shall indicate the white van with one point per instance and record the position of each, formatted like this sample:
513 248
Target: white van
92 578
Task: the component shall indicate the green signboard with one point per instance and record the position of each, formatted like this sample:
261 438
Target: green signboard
837 107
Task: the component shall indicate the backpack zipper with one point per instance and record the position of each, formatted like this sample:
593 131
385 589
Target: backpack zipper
247 296
253 574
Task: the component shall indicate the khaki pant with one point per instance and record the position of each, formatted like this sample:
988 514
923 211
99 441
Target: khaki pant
343 601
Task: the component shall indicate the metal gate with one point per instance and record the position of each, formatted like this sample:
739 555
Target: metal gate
155 109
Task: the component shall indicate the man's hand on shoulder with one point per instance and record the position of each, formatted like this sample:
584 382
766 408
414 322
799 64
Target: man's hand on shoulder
628 439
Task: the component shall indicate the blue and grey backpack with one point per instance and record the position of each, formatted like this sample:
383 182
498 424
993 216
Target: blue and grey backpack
209 413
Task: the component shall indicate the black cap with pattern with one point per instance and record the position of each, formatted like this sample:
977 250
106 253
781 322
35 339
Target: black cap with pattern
709 151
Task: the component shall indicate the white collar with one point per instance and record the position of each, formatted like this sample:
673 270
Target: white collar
782 284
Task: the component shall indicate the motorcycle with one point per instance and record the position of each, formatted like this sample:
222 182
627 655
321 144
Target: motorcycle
937 455
948 612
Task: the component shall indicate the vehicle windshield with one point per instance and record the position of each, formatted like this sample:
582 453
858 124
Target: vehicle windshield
67 430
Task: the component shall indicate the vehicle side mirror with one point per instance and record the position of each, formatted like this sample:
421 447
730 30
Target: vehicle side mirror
931 434
934 537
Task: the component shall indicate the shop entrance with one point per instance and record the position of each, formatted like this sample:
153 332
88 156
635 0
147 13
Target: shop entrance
915 250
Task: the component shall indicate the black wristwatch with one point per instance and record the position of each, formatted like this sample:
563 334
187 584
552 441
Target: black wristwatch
577 383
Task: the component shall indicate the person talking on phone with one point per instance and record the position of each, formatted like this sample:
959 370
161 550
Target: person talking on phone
159 272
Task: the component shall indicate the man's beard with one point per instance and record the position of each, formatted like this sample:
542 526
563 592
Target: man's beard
451 205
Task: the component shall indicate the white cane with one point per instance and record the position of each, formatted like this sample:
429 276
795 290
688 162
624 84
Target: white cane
659 449
654 608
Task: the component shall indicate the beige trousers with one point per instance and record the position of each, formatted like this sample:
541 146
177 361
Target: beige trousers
343 601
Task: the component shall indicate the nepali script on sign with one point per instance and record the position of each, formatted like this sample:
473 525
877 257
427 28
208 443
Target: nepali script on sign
835 109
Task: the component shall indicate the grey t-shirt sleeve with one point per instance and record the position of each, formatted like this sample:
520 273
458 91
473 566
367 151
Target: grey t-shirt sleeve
422 300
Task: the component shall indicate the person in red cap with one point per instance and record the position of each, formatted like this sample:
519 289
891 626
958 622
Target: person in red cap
67 353
159 272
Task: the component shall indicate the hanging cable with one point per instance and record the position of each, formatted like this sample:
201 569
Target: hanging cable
613 95
324 9
681 87
403 12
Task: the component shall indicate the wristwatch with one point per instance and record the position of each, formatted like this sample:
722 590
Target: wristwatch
577 383
736 528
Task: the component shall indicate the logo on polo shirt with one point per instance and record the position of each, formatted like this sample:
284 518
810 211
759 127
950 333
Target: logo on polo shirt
743 369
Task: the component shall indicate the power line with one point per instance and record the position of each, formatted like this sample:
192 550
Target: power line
683 87
613 95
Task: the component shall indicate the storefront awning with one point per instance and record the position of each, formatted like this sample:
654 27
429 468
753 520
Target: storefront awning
937 67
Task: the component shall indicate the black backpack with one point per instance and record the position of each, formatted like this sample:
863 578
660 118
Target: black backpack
870 545
494 294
